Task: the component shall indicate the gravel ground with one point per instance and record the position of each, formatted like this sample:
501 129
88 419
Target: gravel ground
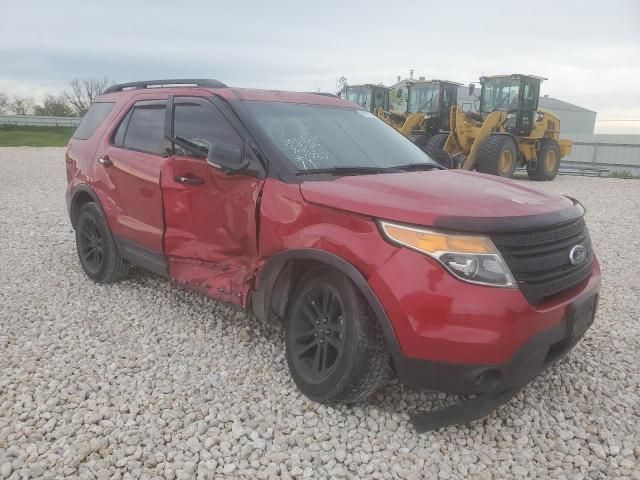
142 379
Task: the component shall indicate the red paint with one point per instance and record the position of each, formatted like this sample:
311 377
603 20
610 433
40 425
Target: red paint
217 236
421 197
213 223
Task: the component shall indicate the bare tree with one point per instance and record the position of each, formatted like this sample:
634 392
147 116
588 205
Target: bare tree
54 107
21 105
341 84
84 91
4 103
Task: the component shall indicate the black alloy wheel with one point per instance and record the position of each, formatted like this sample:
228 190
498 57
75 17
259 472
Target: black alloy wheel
336 351
96 247
90 245
319 334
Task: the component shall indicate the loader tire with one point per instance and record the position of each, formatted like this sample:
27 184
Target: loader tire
419 140
435 149
546 167
498 155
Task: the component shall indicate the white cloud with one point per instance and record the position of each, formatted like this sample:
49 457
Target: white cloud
587 49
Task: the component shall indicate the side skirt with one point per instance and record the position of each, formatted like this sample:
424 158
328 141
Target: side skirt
142 256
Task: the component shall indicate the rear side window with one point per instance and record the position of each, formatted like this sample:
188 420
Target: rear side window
97 112
143 129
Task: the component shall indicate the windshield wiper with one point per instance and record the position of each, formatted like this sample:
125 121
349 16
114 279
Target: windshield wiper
346 170
412 167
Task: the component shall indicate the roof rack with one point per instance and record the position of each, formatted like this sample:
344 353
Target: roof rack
172 82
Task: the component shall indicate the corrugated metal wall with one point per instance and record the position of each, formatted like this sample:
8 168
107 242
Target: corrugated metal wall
613 152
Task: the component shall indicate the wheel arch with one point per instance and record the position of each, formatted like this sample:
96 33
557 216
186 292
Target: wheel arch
81 195
277 279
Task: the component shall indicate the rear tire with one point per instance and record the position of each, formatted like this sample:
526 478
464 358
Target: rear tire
336 350
548 161
97 251
498 155
435 149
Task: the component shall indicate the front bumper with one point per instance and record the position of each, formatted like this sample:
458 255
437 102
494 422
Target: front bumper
448 323
535 355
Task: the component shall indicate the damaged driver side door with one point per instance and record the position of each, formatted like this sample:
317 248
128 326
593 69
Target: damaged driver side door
210 237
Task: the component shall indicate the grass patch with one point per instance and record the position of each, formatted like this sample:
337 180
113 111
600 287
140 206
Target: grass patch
626 174
30 136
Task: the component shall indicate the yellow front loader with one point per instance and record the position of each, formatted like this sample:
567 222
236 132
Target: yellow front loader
424 109
509 131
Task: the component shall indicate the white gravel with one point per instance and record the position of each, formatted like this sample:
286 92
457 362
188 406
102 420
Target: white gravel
142 379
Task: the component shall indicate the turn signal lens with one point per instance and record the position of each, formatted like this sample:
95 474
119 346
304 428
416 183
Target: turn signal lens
429 241
472 258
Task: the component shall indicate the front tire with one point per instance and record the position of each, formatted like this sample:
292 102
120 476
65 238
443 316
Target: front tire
420 140
97 251
336 350
548 161
498 155
435 149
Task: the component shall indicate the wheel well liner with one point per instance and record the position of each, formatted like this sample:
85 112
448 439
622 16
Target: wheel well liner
276 282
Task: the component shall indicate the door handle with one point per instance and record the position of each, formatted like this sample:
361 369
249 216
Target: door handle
105 161
188 180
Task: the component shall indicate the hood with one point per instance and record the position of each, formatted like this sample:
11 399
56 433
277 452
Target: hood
453 199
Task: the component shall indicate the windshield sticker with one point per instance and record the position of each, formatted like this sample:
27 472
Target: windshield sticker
307 151
364 113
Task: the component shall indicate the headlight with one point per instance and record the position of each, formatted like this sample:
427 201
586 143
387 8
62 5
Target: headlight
472 258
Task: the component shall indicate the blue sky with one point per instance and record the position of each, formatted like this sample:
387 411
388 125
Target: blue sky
589 50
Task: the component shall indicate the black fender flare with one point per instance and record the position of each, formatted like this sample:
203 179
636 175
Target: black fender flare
277 264
79 189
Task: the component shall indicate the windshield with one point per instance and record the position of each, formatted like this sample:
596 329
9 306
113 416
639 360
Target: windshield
320 137
499 94
360 95
423 98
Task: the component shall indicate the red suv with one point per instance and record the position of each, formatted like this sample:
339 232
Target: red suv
307 208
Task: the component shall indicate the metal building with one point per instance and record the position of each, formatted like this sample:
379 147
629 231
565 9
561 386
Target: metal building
573 119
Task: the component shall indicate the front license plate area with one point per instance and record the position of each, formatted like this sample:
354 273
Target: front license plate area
580 317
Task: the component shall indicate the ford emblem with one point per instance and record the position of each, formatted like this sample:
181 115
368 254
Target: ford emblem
577 254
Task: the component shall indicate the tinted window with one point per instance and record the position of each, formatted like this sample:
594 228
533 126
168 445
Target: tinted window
118 138
97 112
146 130
201 124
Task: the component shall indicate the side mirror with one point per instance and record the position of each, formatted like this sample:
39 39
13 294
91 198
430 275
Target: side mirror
227 157
472 88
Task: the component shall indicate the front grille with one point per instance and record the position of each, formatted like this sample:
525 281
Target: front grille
539 260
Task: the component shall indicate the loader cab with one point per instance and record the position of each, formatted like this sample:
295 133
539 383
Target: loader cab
370 97
435 98
517 95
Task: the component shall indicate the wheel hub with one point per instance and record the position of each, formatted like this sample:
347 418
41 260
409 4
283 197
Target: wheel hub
91 245
318 334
